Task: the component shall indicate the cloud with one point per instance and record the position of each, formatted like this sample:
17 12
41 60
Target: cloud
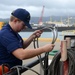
52 7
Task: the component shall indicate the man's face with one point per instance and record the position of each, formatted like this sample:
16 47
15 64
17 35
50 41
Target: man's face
20 25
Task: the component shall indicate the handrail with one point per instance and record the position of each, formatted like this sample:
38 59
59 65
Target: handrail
23 69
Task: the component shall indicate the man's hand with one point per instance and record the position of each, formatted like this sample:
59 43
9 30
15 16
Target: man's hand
37 33
48 47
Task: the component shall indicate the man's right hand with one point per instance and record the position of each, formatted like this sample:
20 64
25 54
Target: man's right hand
48 47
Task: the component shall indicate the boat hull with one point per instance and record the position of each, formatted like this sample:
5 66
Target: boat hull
47 30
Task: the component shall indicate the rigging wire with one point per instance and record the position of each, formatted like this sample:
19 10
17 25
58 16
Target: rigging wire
36 45
55 67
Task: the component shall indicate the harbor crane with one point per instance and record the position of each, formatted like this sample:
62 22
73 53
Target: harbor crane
40 19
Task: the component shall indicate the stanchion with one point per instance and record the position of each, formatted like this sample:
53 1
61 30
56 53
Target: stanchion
46 64
65 45
64 57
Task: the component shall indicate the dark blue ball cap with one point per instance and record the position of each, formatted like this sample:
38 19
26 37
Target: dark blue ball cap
23 15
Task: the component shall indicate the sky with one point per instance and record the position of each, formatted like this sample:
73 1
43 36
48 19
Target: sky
51 7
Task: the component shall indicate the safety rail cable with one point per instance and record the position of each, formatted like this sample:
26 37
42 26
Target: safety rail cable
55 67
36 44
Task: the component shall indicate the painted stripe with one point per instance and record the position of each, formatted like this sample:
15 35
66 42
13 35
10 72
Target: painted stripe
45 39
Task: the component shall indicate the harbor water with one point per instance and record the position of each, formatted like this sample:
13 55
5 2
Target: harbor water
43 35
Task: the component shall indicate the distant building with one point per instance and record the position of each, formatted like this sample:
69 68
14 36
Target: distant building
58 24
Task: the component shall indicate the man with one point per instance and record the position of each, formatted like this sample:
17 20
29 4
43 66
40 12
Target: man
12 46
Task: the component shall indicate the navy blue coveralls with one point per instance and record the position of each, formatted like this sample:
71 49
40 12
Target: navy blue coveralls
9 41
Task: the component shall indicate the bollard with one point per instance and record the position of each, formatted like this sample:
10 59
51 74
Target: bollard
63 50
64 46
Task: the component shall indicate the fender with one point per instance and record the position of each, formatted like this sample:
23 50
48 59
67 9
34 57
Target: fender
4 69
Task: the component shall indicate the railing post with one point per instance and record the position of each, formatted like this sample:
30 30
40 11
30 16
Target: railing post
46 65
64 57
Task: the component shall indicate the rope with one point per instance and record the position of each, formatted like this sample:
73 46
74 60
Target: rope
36 44
55 66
